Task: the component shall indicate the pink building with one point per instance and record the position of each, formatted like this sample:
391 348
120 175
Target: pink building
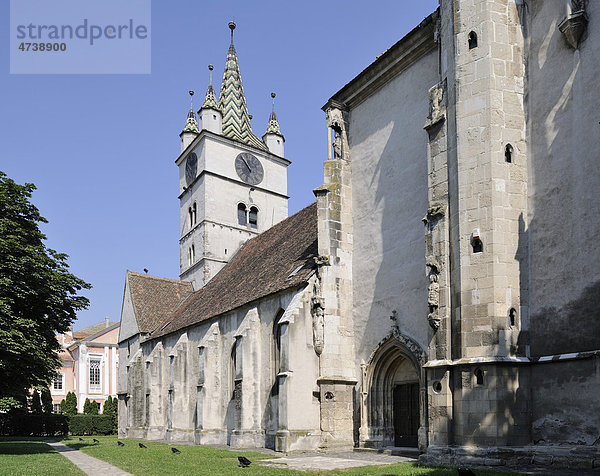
90 362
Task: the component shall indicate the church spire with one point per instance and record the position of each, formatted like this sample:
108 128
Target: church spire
191 125
232 102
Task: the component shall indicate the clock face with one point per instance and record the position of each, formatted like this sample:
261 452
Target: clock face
190 168
249 168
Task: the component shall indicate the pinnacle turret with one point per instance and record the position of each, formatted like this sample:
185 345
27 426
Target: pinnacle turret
210 100
191 125
273 125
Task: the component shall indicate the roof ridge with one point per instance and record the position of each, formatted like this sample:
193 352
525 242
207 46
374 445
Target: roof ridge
160 278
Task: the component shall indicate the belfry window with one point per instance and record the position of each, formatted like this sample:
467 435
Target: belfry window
242 218
191 255
253 218
192 215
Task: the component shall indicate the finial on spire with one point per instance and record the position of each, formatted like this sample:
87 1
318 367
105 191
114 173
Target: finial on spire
191 100
273 96
210 69
232 27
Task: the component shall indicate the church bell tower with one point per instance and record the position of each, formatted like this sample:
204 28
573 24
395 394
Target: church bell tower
232 185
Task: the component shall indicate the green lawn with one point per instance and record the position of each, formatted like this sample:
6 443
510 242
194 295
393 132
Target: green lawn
31 456
157 459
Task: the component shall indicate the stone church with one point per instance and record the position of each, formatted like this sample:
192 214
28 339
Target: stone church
444 290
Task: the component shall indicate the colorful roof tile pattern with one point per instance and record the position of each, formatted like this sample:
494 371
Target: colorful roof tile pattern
232 102
278 259
210 100
155 298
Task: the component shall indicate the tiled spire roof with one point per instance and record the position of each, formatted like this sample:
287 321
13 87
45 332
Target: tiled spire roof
210 100
232 102
191 125
273 126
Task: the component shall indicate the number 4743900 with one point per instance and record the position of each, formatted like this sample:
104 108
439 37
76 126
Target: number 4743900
43 46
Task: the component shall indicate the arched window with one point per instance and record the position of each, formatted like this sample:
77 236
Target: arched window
190 217
242 218
194 214
253 218
233 369
508 153
472 40
276 353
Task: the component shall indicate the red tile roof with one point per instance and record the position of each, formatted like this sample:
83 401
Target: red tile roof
278 259
155 298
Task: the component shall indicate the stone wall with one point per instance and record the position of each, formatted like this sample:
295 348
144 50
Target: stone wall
215 383
563 225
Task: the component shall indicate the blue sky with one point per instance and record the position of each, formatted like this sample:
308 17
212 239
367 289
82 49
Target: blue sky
101 148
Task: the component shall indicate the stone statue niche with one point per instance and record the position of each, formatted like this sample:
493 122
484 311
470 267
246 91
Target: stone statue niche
433 298
318 316
336 123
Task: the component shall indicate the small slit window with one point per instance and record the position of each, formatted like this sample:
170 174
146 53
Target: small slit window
508 153
512 317
242 218
478 376
253 218
472 40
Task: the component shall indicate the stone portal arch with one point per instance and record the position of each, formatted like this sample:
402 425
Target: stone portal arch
393 394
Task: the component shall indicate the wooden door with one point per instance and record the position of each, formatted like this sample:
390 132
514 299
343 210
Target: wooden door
406 414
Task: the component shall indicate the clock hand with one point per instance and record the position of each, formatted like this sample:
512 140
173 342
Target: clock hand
247 166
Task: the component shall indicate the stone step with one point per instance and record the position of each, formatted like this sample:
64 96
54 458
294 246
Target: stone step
393 451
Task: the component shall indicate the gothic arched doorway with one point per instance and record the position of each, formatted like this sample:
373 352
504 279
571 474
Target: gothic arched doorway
393 394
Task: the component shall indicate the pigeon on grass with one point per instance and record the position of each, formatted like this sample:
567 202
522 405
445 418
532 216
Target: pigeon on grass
175 450
120 443
244 462
96 441
141 445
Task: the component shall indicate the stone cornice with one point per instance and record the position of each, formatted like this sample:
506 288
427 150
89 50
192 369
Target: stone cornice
389 64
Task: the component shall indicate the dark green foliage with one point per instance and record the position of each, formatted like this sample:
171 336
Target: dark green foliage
68 406
90 407
35 405
46 400
38 296
91 425
29 424
111 407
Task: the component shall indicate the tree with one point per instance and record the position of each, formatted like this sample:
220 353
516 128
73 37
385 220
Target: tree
111 408
38 296
47 406
68 406
36 403
90 407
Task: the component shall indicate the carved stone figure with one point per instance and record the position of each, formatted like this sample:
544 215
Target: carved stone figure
433 301
318 315
574 26
337 145
437 111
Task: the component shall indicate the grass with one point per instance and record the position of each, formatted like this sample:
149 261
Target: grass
31 456
157 459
